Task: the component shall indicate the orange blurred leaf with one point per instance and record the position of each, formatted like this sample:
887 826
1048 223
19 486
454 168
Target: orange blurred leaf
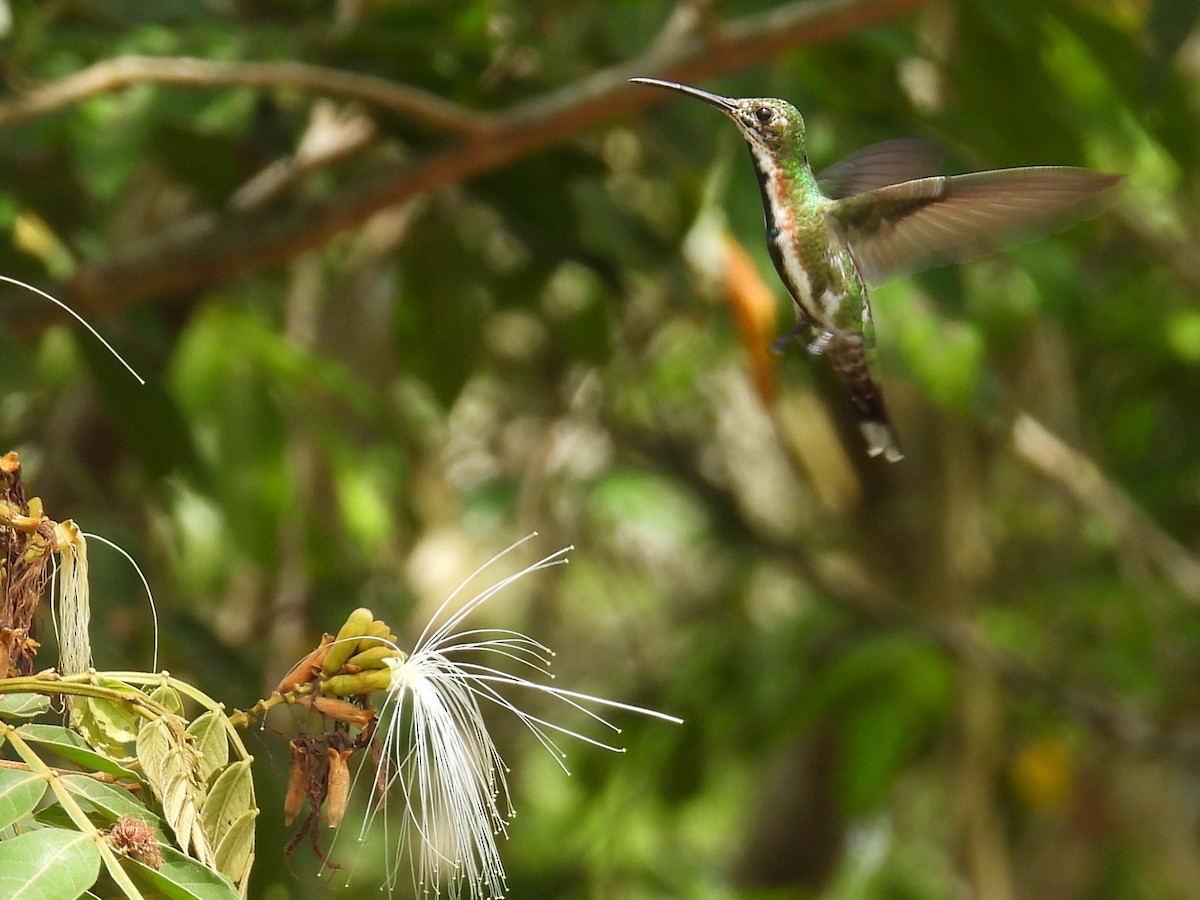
753 305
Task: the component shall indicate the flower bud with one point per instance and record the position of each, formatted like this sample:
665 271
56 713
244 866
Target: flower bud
361 683
344 646
374 657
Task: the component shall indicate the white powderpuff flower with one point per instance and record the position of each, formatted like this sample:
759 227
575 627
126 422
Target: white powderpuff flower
437 753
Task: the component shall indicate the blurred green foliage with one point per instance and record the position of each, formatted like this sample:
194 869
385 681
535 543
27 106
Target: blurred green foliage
969 673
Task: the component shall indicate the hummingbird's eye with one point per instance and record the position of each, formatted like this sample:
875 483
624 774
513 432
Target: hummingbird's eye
764 114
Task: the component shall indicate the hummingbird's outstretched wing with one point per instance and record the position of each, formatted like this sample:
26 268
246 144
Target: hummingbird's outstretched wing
879 165
904 227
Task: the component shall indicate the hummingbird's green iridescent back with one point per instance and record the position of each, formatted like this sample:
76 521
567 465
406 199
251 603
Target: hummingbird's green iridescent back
874 215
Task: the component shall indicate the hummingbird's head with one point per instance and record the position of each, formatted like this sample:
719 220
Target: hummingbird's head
773 125
769 125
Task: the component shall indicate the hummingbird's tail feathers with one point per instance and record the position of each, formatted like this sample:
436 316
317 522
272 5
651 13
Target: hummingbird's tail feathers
847 353
880 440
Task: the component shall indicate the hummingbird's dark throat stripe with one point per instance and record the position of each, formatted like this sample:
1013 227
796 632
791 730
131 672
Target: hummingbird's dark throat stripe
771 187
769 220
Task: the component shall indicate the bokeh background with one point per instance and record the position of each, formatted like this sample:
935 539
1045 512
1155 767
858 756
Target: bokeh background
410 279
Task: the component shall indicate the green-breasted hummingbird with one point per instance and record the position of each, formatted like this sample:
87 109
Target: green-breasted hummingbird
876 214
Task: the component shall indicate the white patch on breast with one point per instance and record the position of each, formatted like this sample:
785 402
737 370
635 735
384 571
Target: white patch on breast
831 302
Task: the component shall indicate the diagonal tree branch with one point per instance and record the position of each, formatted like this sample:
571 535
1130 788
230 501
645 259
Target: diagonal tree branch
124 71
206 249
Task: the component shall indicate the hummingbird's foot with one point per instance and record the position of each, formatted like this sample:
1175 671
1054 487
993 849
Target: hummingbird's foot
795 333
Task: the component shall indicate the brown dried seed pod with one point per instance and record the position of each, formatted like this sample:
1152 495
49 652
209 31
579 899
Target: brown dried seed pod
308 668
341 710
297 789
338 790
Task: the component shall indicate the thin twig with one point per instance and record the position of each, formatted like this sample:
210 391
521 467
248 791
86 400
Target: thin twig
105 777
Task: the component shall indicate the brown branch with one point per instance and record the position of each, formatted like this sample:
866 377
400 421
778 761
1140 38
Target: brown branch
125 71
204 250
334 133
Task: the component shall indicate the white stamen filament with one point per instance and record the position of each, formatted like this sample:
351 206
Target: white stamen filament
78 318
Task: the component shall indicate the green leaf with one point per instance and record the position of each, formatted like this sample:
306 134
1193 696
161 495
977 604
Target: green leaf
179 801
54 816
154 749
235 852
48 864
19 793
71 746
109 800
23 705
232 795
172 768
108 727
168 697
181 878
211 743
877 739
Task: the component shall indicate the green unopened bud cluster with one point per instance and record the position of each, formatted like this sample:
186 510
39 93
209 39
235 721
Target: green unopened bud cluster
360 660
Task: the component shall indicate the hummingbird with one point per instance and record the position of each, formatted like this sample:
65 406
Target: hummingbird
878 213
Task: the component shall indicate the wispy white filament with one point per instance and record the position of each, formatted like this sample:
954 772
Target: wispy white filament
78 318
145 584
437 752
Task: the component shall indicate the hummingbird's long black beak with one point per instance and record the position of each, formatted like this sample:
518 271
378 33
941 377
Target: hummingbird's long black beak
722 103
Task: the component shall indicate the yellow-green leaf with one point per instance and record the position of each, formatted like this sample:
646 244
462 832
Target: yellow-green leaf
108 727
211 744
232 795
236 849
48 864
168 697
20 792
